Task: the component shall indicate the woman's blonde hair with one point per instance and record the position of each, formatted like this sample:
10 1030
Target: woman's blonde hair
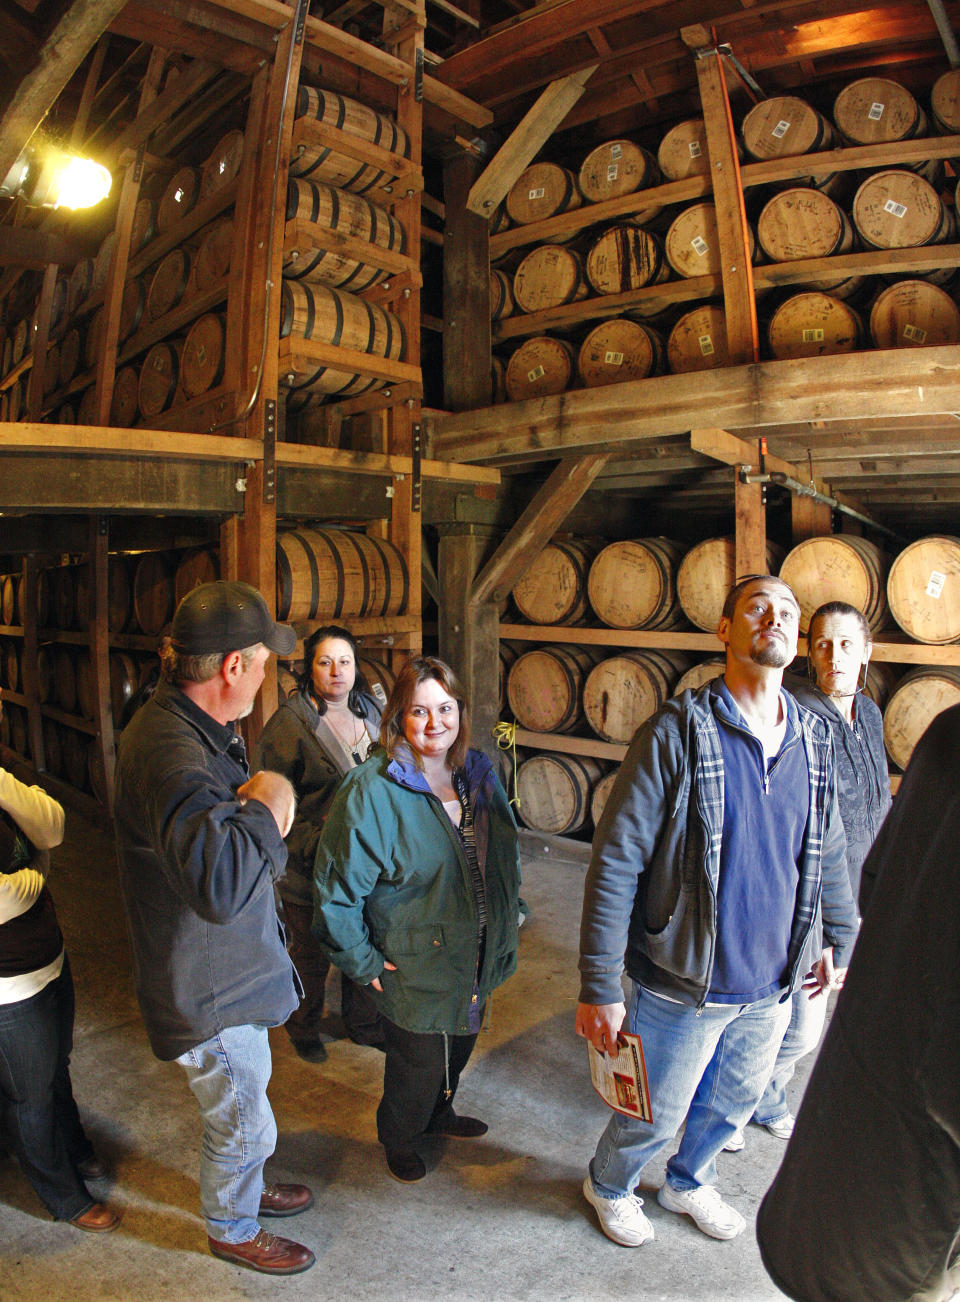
416 671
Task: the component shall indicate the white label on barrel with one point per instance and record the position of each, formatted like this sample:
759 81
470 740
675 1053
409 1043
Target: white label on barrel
694 147
898 209
706 345
916 334
876 112
700 245
613 171
781 129
813 335
537 194
536 374
613 359
616 151
935 584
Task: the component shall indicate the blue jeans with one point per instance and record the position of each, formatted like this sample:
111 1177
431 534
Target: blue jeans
229 1074
708 1066
36 1097
802 1037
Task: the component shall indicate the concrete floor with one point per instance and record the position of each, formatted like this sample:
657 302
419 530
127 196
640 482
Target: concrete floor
496 1220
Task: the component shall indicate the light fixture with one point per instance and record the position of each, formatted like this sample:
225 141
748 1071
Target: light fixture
49 176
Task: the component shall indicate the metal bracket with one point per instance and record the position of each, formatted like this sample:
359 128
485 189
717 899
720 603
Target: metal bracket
417 485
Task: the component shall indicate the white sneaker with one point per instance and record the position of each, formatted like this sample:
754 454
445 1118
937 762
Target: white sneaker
704 1204
621 1219
736 1143
783 1128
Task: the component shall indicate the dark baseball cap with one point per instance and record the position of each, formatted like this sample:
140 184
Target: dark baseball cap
227 616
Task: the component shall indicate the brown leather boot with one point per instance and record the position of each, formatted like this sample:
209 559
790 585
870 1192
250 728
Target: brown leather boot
285 1199
267 1253
98 1219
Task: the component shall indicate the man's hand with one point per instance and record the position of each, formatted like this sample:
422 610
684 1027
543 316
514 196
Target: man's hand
600 1024
823 976
387 967
274 791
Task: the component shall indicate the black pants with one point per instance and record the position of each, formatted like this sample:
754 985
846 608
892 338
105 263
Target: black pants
415 1083
305 1024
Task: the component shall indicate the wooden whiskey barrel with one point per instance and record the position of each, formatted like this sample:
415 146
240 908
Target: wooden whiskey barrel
63 596
543 190
698 341
838 567
923 589
144 224
202 359
914 314
93 337
80 284
52 754
70 349
623 690
123 682
18 731
897 209
126 393
507 654
683 150
784 127
707 573
699 675
325 162
375 671
945 103
8 599
802 222
179 197
83 596
83 669
881 679
554 588
548 276
73 749
338 573
195 566
692 245
625 257
58 307
874 110
619 350
169 282
919 697
132 307
87 410
11 664
159 375
153 592
44 599
65 414
329 209
335 317
814 325
223 164
614 168
633 584
51 370
119 594
502 302
601 794
212 262
555 792
102 262
540 366
545 687
65 678
46 689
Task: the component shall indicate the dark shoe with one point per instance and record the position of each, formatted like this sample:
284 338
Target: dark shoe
267 1253
455 1127
97 1219
310 1050
91 1168
285 1199
406 1166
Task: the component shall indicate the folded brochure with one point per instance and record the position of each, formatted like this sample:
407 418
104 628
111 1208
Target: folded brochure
621 1079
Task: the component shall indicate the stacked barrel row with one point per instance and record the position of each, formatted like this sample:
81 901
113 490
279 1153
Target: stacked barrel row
812 218
323 286
655 584
188 360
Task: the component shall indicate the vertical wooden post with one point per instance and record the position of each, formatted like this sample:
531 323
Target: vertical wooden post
98 560
35 384
466 292
30 679
808 518
751 527
470 634
739 303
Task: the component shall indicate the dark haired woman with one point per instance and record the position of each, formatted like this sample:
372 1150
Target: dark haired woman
319 734
417 896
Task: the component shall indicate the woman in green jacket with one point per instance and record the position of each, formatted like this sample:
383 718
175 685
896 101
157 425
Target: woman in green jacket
417 897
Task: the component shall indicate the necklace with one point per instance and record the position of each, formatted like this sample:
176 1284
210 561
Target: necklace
349 730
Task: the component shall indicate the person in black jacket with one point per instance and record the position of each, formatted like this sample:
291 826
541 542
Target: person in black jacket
866 1204
200 845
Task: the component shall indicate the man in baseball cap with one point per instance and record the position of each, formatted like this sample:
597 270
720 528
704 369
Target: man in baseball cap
200 845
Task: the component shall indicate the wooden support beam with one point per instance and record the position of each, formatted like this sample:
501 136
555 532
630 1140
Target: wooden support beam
99 633
526 140
733 233
64 50
466 292
526 540
469 636
750 548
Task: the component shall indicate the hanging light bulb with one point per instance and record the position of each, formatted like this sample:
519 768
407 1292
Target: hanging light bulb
47 176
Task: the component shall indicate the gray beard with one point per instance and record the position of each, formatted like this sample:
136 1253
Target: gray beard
772 657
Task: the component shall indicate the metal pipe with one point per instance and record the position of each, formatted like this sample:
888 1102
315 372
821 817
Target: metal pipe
807 490
936 7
